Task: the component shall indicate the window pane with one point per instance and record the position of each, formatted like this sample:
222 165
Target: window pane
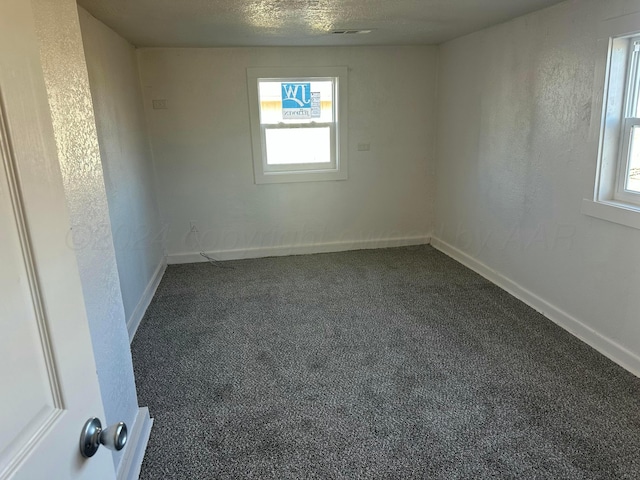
271 93
634 80
633 173
286 146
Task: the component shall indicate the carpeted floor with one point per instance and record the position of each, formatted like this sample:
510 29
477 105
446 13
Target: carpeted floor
395 363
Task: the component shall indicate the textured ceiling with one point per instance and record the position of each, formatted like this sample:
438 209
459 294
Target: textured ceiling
209 23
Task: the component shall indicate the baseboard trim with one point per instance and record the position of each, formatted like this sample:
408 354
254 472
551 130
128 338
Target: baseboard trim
615 352
136 446
133 322
284 250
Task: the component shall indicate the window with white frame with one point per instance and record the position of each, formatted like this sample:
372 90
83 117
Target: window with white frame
628 178
618 176
298 123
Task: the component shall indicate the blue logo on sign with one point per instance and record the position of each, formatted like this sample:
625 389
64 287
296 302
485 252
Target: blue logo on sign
296 95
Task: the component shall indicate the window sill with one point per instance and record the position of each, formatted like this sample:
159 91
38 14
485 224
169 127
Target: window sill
300 176
615 212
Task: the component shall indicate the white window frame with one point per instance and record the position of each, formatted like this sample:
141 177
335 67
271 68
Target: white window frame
628 121
612 93
336 169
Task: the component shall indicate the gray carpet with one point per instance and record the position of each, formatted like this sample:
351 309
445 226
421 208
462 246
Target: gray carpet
394 363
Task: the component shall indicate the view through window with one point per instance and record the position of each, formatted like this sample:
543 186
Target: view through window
298 123
297 119
631 147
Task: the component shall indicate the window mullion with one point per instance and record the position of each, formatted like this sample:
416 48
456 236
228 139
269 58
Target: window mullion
296 125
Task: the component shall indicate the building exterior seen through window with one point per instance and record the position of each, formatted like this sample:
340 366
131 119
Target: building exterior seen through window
298 123
297 118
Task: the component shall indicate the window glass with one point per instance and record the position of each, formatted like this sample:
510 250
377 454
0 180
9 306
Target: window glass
287 146
299 123
633 173
314 96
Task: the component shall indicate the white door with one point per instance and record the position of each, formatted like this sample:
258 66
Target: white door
48 381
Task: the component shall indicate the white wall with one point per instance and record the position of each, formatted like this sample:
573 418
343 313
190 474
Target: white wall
129 173
202 148
73 120
517 154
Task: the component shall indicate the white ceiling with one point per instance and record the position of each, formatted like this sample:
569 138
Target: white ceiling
212 23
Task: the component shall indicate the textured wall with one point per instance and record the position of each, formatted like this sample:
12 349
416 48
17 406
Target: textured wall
67 85
129 175
516 156
202 149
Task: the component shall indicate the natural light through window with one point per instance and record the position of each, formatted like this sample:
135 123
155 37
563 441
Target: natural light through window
633 173
628 182
297 118
616 99
630 161
298 123
298 145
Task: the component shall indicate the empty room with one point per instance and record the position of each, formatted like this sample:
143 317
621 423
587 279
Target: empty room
281 239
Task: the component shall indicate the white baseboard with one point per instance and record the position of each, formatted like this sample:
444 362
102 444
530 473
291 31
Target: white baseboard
135 447
617 353
259 252
133 322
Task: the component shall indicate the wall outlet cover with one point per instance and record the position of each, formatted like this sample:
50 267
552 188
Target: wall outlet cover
159 104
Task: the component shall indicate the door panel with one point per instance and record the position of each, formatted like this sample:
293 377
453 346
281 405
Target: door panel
48 381
29 379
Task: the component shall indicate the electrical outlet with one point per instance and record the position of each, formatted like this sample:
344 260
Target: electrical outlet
363 147
193 228
159 104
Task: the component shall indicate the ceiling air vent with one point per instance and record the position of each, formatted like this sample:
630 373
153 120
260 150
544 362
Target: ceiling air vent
349 32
